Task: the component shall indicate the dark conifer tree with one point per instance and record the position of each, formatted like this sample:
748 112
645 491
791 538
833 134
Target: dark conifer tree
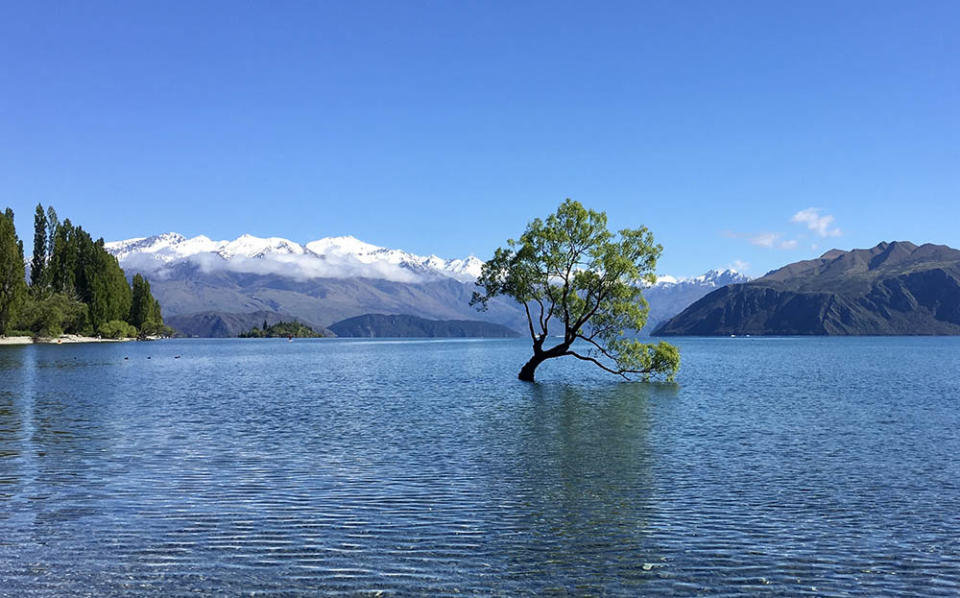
142 302
12 282
39 262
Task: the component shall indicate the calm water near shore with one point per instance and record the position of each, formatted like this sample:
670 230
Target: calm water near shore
776 466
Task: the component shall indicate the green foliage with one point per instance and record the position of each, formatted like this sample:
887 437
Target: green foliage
141 302
77 286
39 262
13 287
117 329
569 269
100 282
282 330
81 266
53 314
145 310
62 266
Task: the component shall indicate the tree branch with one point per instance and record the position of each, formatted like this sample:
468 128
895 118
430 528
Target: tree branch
542 327
621 372
533 334
596 362
597 345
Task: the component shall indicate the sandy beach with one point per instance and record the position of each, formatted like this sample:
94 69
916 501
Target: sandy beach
66 339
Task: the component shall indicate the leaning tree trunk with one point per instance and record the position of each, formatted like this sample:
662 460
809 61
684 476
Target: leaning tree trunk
539 356
526 372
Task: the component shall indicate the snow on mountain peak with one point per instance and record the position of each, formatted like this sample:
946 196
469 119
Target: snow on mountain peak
330 257
712 278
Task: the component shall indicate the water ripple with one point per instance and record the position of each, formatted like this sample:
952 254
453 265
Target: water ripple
820 467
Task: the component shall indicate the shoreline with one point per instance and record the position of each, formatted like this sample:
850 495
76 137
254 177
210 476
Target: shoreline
64 339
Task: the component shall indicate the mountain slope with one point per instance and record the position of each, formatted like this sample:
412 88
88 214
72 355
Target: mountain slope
893 288
671 296
226 325
332 279
318 283
405 326
331 257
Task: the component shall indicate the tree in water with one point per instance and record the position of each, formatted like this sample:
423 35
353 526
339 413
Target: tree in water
570 272
13 285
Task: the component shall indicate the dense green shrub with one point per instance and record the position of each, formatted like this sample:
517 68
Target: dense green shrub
53 315
117 329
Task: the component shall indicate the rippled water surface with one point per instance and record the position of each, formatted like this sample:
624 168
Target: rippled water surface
809 466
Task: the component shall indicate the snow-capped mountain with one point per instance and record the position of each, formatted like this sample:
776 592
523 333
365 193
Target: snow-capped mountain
204 285
671 295
331 257
712 279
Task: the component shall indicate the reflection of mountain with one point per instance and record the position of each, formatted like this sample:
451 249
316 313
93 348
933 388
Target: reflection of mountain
893 288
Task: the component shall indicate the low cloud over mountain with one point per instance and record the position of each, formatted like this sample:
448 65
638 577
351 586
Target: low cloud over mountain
331 257
210 287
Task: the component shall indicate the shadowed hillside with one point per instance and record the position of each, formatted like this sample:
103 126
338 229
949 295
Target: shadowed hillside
893 288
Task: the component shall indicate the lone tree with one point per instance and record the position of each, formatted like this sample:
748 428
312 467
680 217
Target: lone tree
569 271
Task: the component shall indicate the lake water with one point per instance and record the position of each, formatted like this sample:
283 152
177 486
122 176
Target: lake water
776 466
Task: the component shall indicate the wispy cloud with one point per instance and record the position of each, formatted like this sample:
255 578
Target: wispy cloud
739 266
817 222
769 240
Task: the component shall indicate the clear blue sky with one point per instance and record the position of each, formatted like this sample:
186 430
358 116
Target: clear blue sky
443 127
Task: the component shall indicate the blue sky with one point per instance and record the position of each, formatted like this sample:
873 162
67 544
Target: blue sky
754 133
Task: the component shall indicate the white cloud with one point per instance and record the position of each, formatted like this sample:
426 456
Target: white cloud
768 240
739 266
816 222
297 267
764 239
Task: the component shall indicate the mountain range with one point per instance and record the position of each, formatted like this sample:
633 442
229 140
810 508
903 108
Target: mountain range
892 288
221 288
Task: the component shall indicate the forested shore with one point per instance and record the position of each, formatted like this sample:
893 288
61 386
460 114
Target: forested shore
75 286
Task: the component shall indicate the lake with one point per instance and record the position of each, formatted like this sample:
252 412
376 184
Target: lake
775 466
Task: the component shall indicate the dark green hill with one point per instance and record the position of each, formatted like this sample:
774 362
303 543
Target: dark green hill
403 326
893 288
217 324
282 330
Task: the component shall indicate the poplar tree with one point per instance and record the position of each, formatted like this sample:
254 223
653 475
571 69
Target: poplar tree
12 275
39 262
142 302
52 224
63 259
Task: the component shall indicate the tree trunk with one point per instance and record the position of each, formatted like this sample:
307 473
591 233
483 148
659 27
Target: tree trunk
539 356
526 372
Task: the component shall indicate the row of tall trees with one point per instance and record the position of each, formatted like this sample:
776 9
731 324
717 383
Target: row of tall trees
76 286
